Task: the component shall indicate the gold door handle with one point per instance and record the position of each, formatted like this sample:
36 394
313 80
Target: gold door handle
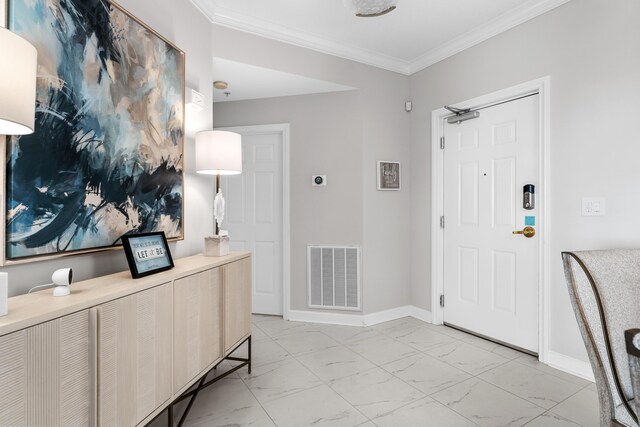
528 232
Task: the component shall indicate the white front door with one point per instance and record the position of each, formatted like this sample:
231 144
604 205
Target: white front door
490 274
254 214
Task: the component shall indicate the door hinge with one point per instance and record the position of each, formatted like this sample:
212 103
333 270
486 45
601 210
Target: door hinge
442 221
442 142
442 300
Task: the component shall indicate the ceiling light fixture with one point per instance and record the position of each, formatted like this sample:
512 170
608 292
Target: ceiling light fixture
370 8
220 85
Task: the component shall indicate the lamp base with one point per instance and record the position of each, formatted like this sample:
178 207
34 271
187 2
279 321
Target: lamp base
216 246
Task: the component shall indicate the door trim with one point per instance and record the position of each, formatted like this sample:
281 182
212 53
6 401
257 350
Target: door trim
284 129
542 87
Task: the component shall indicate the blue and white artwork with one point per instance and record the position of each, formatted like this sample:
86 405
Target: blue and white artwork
106 157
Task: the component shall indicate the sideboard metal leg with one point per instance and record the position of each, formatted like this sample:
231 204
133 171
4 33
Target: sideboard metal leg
249 354
190 404
193 392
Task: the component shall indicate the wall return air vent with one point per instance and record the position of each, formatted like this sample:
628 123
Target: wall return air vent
334 277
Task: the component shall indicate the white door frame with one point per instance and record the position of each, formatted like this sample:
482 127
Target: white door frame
541 86
282 128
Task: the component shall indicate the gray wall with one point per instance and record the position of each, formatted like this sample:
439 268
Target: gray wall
186 28
590 48
384 135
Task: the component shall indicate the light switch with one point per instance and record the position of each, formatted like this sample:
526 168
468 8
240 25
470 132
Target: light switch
593 206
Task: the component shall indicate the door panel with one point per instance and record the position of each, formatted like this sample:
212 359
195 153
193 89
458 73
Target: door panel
490 274
504 191
468 278
234 194
254 203
236 302
265 256
45 374
197 319
504 281
264 186
469 193
134 349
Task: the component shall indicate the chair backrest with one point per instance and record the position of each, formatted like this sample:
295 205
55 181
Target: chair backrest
605 291
632 338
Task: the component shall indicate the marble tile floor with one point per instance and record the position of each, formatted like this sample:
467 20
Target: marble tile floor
401 373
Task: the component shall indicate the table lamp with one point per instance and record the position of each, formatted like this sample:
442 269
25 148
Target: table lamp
17 104
218 153
17 84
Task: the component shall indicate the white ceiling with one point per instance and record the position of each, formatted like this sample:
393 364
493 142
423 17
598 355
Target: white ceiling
251 82
417 34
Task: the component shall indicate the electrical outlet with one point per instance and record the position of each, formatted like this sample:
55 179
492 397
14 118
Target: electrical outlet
593 206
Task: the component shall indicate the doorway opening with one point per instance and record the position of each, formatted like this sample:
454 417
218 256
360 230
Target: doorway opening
258 213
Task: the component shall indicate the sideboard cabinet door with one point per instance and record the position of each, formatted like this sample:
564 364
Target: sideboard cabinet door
134 350
196 319
237 302
45 374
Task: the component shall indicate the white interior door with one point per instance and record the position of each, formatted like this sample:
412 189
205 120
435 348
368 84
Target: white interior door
490 274
254 214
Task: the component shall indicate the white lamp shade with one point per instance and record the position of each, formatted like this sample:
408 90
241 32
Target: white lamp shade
17 84
218 152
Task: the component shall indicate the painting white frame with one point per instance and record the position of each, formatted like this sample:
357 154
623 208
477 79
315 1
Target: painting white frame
379 175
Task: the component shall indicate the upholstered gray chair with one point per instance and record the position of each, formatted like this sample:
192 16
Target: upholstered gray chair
632 338
604 287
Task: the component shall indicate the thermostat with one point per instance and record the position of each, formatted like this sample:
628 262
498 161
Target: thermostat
319 180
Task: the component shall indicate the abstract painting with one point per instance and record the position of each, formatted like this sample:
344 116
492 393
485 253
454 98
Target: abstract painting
106 157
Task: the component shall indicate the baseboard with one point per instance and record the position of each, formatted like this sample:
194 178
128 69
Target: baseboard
387 315
421 314
572 366
356 319
359 319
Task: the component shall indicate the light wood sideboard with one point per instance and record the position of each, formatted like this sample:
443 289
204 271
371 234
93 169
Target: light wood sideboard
118 351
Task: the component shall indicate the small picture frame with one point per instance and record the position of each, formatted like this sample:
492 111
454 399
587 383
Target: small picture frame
388 176
147 253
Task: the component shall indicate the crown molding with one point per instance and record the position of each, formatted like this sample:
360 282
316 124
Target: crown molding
226 18
237 21
476 36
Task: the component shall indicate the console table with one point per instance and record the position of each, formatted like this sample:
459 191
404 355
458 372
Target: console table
118 351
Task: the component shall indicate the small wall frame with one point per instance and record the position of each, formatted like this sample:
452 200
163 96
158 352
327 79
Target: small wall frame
147 253
388 176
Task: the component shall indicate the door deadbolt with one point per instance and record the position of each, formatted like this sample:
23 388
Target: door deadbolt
528 232
529 197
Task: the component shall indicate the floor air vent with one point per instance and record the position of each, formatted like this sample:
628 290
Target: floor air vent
334 277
